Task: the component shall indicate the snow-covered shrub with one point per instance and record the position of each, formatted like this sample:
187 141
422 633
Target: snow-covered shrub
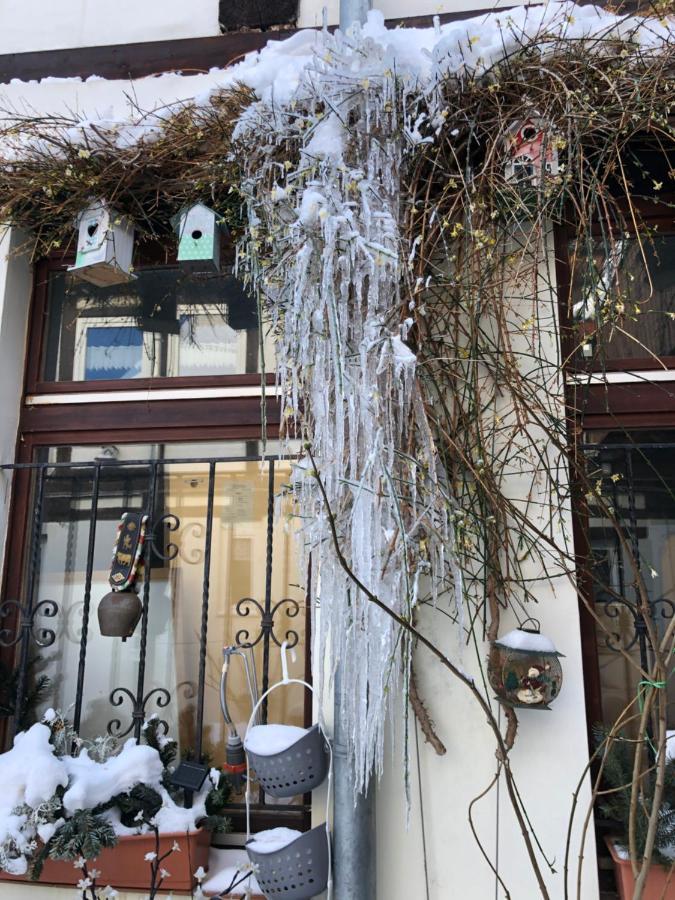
64 806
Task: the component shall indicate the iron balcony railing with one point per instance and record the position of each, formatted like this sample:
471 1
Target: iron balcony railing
28 625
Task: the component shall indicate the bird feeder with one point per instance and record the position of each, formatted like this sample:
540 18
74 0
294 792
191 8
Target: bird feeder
119 612
198 229
524 668
531 152
105 246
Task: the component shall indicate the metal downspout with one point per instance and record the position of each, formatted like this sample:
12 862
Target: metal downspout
354 869
353 11
354 859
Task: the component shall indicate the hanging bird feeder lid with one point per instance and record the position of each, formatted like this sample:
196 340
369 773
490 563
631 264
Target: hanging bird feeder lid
527 640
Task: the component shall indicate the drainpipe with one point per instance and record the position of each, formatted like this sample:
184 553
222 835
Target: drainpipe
354 813
353 11
353 822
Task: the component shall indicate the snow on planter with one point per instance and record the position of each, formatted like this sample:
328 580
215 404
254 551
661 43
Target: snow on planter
31 773
273 840
266 740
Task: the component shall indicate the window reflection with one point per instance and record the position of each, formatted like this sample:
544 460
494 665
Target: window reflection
625 287
635 474
163 324
237 571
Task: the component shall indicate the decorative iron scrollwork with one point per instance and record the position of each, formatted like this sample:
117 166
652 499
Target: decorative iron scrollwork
267 621
661 608
25 623
156 537
138 713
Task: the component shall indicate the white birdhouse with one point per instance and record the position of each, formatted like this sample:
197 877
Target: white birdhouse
198 230
105 246
531 152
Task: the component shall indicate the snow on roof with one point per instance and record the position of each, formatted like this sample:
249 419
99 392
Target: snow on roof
421 56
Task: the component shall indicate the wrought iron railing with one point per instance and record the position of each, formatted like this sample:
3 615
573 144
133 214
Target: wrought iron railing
27 624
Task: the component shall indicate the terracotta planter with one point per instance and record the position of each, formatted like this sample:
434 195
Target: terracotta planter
124 866
660 883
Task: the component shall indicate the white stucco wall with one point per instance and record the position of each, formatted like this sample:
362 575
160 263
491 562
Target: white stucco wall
27 25
551 750
43 25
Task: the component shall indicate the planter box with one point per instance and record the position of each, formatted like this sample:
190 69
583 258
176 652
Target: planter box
124 866
660 884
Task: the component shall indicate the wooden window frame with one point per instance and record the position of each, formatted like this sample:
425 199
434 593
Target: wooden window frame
33 384
637 404
177 420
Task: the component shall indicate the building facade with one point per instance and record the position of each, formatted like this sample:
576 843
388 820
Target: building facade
106 409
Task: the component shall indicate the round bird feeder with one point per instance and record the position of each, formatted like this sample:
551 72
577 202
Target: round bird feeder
298 871
524 668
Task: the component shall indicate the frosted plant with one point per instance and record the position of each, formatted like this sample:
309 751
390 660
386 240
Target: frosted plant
325 253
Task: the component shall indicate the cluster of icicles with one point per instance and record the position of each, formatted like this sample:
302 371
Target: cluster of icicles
325 251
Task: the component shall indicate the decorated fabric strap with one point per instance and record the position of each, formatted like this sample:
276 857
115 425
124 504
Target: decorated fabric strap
127 557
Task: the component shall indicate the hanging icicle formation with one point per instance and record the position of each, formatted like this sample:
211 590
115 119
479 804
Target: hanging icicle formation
325 252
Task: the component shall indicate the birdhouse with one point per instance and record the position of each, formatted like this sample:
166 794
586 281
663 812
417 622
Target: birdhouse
198 229
531 152
105 246
524 669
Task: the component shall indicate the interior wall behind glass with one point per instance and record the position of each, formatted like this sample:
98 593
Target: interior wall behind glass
237 571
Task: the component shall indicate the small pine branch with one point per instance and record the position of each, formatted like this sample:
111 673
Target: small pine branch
85 835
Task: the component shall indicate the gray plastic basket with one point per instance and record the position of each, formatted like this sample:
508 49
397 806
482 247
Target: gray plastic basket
299 769
296 872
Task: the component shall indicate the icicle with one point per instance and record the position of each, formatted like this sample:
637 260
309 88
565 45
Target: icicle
328 258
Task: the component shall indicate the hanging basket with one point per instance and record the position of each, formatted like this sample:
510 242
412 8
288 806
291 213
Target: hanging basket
300 768
298 871
302 868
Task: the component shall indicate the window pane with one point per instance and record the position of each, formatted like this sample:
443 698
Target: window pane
237 582
163 324
628 289
635 473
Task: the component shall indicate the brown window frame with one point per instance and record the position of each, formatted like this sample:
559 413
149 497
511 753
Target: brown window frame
635 405
33 385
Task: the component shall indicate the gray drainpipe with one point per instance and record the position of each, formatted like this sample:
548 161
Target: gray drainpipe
353 822
353 11
354 814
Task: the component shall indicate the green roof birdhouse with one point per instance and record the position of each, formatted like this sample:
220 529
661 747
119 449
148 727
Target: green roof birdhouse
198 229
105 246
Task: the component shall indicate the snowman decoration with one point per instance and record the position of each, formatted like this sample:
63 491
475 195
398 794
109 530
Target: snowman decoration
533 685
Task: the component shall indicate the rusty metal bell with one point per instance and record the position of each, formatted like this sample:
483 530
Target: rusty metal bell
119 613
